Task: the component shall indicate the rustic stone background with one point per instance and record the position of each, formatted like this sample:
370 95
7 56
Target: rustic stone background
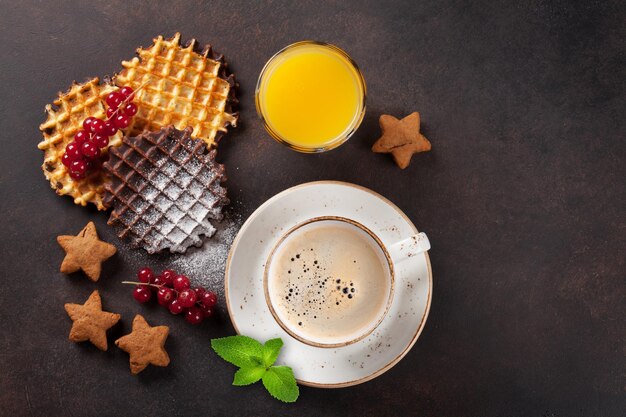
523 198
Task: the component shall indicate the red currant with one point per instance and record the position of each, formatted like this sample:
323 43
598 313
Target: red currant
145 275
165 296
126 91
76 175
87 123
74 150
199 292
110 112
100 140
206 311
142 294
130 109
175 307
66 159
78 169
194 315
114 99
158 280
187 298
208 299
181 282
78 165
168 276
90 150
97 126
109 128
81 136
121 121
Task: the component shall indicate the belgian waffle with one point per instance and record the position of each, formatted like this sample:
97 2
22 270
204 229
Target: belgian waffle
65 118
164 188
180 86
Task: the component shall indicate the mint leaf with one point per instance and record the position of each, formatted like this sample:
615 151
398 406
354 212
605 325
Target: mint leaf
247 376
242 351
255 362
281 384
271 349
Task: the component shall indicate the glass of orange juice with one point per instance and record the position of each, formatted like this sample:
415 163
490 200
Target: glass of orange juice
311 96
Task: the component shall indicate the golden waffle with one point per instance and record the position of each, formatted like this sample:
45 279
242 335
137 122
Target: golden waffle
176 85
65 118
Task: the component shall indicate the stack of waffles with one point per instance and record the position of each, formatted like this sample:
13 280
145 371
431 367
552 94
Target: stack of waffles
162 184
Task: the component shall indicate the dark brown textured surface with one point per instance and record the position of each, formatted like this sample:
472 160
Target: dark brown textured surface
523 198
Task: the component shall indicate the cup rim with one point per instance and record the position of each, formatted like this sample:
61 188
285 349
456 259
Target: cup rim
284 326
339 140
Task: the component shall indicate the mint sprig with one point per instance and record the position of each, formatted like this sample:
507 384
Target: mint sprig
256 362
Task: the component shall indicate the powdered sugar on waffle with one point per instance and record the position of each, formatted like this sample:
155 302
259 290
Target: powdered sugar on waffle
164 188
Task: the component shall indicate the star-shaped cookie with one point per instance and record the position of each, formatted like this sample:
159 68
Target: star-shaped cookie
85 252
90 322
401 138
145 345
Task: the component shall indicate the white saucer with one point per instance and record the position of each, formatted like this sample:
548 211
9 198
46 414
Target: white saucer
316 366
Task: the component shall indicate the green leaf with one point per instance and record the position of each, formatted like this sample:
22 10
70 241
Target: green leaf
255 362
242 351
271 349
247 376
281 384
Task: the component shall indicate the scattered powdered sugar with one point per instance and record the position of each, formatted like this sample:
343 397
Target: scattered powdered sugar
205 265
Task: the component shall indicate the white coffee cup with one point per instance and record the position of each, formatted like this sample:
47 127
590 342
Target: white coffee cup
329 299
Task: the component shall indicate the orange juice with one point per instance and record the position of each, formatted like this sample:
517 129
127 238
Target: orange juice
311 96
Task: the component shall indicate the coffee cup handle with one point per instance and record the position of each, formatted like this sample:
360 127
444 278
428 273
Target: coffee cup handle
409 247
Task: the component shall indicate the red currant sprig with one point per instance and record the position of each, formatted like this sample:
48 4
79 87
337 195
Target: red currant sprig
175 293
82 155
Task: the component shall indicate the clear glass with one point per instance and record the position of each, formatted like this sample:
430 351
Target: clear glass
350 129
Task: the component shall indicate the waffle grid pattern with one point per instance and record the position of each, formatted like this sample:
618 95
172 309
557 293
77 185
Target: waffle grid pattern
164 188
177 86
64 118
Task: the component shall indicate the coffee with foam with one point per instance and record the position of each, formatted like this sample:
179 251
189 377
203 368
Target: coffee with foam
329 282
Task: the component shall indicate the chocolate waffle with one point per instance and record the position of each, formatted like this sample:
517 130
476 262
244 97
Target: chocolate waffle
164 188
65 118
180 86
